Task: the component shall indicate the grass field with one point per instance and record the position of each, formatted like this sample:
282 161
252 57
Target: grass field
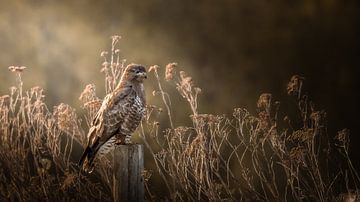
278 153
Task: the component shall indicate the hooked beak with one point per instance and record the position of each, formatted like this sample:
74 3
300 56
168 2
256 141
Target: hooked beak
142 75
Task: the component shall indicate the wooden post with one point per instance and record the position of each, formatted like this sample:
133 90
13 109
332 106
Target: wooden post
128 182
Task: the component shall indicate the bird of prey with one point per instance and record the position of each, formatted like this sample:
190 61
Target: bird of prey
118 117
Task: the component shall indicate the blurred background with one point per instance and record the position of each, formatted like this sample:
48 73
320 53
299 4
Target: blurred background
234 49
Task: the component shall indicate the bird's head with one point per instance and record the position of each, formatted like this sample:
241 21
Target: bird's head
135 73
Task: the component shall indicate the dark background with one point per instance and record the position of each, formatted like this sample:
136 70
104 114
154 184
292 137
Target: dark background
234 49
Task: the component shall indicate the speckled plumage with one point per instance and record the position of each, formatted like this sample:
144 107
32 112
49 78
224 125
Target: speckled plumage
118 117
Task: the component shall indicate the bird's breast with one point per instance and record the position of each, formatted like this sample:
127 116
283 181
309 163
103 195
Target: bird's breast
139 106
126 116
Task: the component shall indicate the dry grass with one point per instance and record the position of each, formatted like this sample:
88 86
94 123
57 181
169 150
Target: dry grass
37 147
270 156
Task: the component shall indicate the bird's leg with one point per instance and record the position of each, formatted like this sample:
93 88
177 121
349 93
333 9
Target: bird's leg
128 139
123 139
120 139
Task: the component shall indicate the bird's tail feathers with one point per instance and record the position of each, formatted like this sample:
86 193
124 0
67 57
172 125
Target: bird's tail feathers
86 160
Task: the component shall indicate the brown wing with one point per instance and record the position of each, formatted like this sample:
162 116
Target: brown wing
106 122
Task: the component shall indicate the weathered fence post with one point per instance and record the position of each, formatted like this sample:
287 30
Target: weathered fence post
128 182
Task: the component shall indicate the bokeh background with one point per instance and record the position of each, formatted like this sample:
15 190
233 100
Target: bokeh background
234 49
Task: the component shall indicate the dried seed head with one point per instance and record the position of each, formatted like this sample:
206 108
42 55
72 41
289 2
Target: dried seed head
4 99
37 90
343 137
207 118
297 154
154 68
295 84
66 118
17 69
264 101
13 90
186 84
303 135
105 67
181 130
95 104
88 94
103 53
170 71
343 134
264 121
197 90
318 118
105 64
116 37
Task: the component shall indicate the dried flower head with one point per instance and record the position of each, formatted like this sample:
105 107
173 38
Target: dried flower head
105 67
4 99
318 118
264 121
37 91
295 84
343 138
116 38
297 154
12 90
95 104
264 101
197 90
181 130
302 135
186 79
17 69
154 68
103 53
170 71
105 64
185 85
240 113
207 118
109 79
88 94
66 118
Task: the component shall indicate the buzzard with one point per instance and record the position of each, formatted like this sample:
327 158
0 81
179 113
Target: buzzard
118 117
